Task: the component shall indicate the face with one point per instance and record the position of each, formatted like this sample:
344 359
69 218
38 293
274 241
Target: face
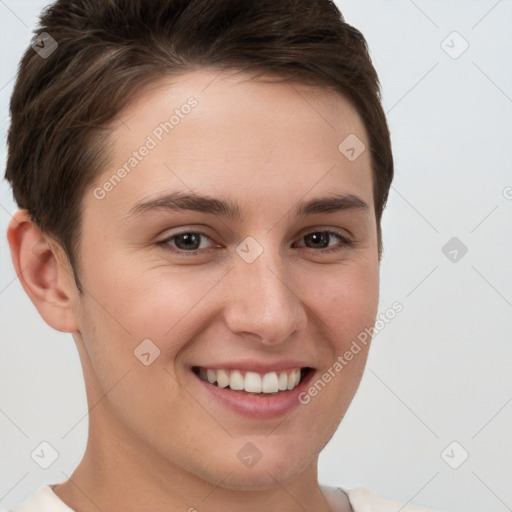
242 241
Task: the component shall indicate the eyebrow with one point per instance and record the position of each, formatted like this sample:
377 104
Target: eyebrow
177 201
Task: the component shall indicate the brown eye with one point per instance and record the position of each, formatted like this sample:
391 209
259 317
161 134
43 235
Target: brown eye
320 240
186 242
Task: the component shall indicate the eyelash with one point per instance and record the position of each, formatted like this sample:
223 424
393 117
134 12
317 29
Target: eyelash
346 243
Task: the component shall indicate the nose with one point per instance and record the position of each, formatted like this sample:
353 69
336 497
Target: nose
262 301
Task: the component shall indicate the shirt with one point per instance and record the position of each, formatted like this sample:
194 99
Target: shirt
360 498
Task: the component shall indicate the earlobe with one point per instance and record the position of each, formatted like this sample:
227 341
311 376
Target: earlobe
43 273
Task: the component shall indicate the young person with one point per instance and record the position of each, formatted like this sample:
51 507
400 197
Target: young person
201 185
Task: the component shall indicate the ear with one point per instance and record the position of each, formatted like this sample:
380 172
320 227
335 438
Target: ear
44 272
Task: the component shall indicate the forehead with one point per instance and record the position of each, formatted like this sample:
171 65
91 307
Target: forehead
230 135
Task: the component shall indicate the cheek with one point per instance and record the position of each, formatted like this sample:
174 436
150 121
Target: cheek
344 305
131 362
139 313
344 299
136 300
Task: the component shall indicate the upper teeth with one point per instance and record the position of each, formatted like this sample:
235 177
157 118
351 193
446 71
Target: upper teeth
252 382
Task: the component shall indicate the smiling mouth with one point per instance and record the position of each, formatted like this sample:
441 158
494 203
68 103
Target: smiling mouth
263 384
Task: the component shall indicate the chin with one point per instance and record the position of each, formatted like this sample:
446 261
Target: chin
276 462
259 479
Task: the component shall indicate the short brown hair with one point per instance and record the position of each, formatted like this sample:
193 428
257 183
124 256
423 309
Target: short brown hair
62 105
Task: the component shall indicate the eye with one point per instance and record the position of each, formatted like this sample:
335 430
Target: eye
320 240
186 242
189 242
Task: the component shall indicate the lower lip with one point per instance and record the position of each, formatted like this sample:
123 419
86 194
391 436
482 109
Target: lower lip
257 406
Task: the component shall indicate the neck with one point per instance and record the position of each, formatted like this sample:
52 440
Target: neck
119 473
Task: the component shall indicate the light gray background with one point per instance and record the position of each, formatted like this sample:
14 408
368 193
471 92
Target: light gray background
440 371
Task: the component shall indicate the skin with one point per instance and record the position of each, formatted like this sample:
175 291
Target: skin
156 442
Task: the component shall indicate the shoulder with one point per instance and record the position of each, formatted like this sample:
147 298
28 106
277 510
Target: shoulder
43 500
364 500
